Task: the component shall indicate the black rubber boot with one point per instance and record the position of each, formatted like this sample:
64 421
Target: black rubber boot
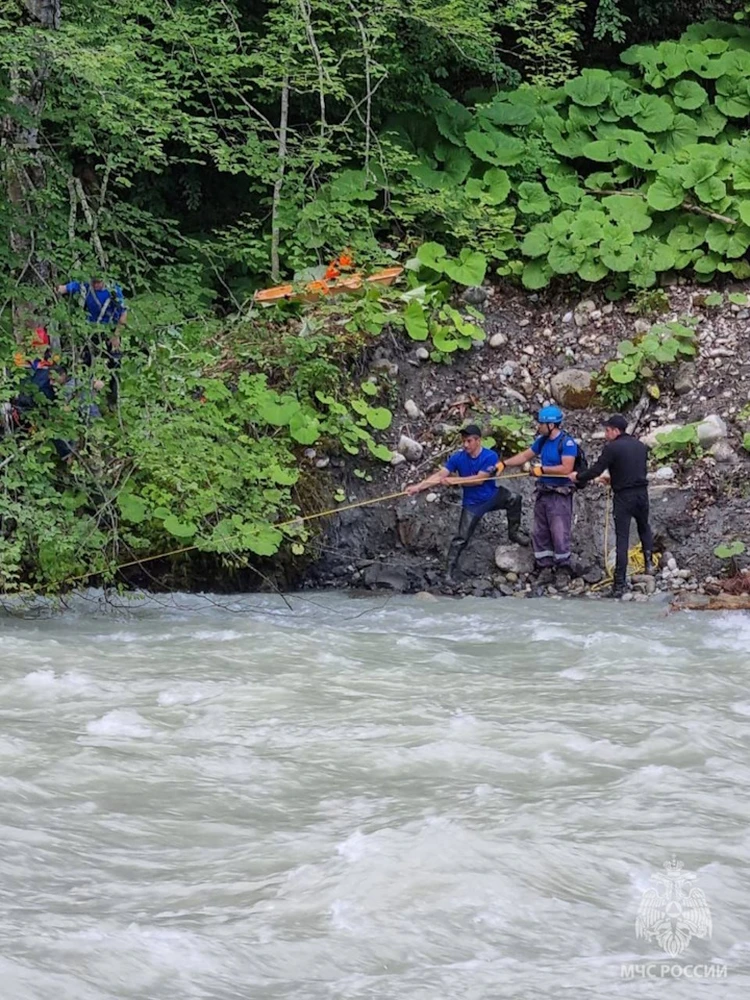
617 591
648 563
515 532
546 575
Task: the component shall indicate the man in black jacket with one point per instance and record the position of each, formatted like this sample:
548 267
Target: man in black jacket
625 458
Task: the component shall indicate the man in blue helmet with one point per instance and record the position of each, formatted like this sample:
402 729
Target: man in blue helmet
474 468
555 451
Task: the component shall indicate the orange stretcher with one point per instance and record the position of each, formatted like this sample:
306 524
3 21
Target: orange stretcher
317 289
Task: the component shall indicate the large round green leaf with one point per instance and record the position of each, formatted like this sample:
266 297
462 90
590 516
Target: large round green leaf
492 189
617 256
532 198
469 269
566 256
278 413
711 190
590 89
654 115
379 417
536 242
497 147
666 192
592 270
536 274
731 242
415 320
688 94
699 170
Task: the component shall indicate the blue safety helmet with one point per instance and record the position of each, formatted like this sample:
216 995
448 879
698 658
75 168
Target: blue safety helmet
550 415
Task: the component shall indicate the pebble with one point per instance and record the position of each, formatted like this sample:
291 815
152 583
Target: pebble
322 463
641 326
498 340
397 458
524 322
412 410
431 497
422 354
568 317
528 349
310 453
672 564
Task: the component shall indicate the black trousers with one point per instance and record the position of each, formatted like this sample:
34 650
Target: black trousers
471 516
629 504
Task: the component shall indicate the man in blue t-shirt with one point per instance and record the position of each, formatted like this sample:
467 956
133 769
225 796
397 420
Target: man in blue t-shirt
556 452
106 310
102 305
474 469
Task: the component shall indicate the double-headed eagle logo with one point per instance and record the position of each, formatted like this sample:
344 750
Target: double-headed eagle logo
673 911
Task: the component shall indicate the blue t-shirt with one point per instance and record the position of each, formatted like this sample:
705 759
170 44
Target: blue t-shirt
551 453
462 464
105 306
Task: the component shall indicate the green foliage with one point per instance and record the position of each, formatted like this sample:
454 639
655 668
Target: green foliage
640 360
730 550
746 441
682 442
511 432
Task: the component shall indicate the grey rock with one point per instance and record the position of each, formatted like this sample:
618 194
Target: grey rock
514 559
664 473
710 430
641 326
432 497
512 577
684 379
411 450
593 575
422 354
475 296
397 458
568 317
573 388
322 463
386 366
587 306
506 590
426 596
310 453
386 577
498 340
412 410
724 453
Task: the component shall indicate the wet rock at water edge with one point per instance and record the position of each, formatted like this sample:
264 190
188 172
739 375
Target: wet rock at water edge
386 577
514 559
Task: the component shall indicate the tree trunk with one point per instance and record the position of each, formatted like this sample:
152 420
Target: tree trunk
24 164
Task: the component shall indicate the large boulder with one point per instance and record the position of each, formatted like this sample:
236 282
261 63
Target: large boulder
573 388
514 559
710 430
650 439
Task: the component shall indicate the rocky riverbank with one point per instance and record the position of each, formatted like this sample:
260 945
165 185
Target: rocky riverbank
538 349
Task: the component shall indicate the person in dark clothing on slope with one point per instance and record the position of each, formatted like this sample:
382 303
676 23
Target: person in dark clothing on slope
625 458
473 468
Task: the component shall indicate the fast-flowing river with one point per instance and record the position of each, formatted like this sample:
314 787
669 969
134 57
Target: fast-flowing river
364 799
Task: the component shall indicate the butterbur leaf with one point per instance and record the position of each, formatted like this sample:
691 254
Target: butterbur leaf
469 269
655 114
592 270
590 89
536 274
621 372
500 149
379 451
304 429
532 198
566 256
278 412
711 190
601 150
688 94
379 417
177 528
432 255
536 243
714 299
666 192
263 540
132 508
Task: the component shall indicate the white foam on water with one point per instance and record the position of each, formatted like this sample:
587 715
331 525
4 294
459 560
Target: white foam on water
121 722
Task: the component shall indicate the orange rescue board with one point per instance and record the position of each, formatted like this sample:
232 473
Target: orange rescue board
317 289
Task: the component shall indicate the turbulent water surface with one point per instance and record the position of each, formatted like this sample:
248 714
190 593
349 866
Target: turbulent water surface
400 800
